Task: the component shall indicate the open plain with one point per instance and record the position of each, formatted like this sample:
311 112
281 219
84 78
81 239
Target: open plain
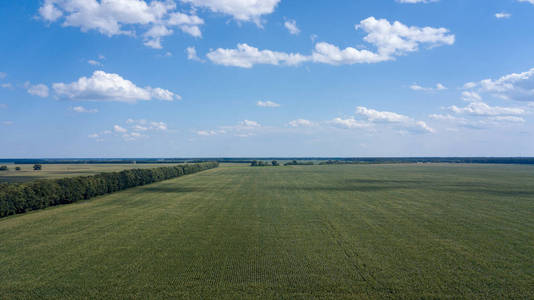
347 231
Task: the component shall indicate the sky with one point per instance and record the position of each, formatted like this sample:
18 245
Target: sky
253 78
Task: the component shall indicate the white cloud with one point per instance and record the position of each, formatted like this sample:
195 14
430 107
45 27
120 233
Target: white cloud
3 106
440 117
249 124
390 39
207 132
471 96
120 129
488 122
103 86
144 125
515 86
301 123
245 128
393 39
94 63
192 54
438 87
49 12
381 116
3 75
246 56
138 127
6 85
158 126
40 90
291 26
529 1
386 117
511 119
115 17
7 123
267 104
189 24
350 123
93 136
240 10
331 54
482 109
81 109
502 15
154 35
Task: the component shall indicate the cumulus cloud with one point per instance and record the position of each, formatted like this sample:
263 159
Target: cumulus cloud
350 123
131 131
488 122
246 56
144 125
240 10
389 39
207 132
502 15
116 17
482 109
386 117
438 87
471 96
81 109
267 104
102 86
192 54
40 90
120 129
301 123
529 1
245 128
249 124
381 116
6 85
94 63
291 26
515 86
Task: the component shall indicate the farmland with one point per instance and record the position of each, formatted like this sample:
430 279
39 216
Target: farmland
340 231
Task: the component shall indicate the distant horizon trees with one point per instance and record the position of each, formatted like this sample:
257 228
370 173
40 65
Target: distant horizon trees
18 198
256 163
37 167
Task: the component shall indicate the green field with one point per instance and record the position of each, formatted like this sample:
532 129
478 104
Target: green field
353 231
52 171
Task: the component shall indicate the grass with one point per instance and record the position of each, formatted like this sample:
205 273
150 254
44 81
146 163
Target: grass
364 231
64 170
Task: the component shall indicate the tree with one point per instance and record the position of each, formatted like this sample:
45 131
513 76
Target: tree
254 163
4 168
17 168
275 163
37 167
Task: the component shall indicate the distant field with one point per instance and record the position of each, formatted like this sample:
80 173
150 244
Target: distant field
349 231
64 170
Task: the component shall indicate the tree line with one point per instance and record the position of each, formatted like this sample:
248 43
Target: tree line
19 198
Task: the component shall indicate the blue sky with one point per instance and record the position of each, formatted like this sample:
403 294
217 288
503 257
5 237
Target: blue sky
192 78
